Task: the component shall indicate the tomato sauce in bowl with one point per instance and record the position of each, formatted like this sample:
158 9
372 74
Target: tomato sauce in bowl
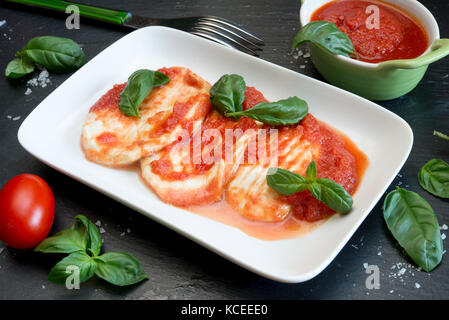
397 35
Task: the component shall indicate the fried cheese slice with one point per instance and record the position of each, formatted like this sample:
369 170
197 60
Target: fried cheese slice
248 192
111 138
182 176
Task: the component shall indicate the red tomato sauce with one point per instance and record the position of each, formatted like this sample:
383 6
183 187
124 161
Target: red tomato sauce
339 160
110 99
399 36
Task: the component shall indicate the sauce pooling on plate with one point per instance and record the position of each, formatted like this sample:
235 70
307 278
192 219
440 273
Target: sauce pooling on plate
396 36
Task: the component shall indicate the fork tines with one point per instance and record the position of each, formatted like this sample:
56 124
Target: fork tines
227 33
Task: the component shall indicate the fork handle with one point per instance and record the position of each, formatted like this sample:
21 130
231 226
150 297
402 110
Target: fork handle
103 14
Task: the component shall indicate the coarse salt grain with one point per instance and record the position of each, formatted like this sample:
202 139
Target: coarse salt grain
443 236
122 234
42 80
102 230
28 91
16 118
98 223
444 227
2 23
417 285
365 265
1 250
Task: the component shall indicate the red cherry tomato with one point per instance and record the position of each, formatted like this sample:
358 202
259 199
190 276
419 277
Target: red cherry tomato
27 210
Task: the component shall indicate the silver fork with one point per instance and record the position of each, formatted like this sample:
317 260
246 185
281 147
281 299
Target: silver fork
213 28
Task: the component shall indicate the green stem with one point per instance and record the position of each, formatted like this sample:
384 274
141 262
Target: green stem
440 135
107 15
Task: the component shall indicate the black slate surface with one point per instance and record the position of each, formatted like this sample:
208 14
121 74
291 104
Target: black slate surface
179 268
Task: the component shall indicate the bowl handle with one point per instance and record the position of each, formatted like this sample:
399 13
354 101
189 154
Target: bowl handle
440 49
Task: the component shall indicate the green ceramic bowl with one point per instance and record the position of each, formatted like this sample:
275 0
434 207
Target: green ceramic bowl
378 81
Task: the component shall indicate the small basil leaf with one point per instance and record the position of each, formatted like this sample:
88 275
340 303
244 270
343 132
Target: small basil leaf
327 36
332 195
159 79
19 67
228 93
93 239
434 177
281 113
440 135
414 225
55 53
311 172
139 86
285 182
64 268
119 268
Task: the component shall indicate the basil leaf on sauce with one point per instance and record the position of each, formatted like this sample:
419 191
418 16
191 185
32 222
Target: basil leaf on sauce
440 135
327 36
19 67
139 86
281 113
285 182
434 178
414 225
119 268
55 53
329 192
227 94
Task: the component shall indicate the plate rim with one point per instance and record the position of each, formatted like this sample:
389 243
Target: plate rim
280 278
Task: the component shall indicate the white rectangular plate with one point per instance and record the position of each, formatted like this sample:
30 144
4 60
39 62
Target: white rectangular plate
52 134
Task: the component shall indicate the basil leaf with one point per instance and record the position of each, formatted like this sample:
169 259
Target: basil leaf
281 113
329 192
62 269
227 94
285 182
66 241
119 268
434 177
93 236
414 225
440 135
19 67
327 36
139 86
55 53
311 172
332 195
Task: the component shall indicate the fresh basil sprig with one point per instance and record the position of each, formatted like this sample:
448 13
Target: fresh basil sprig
329 192
281 113
327 36
414 225
228 93
440 135
227 96
139 86
56 54
83 243
434 177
